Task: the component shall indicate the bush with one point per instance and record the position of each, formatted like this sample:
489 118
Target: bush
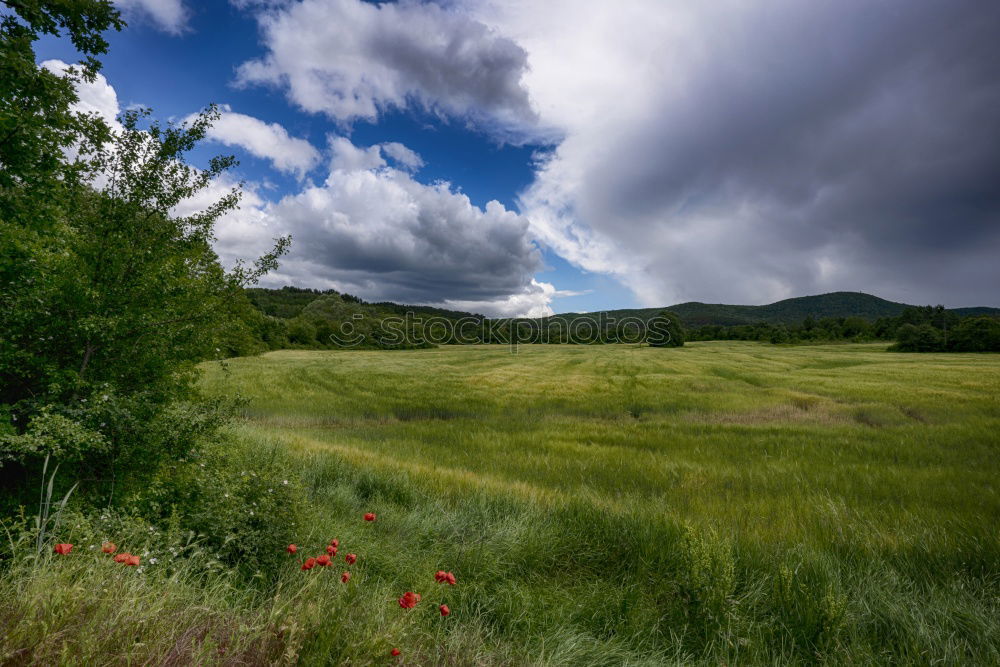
240 498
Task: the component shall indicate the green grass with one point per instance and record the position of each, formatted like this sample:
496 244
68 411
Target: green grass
605 505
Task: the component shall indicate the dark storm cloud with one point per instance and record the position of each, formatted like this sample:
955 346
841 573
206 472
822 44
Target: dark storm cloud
808 147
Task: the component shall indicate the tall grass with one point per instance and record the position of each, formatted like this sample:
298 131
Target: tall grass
600 506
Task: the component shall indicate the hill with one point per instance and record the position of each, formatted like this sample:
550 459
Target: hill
290 302
787 311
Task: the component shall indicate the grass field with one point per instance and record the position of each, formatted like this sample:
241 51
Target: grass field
722 502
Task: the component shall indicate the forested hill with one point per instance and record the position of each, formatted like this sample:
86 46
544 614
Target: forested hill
290 302
788 311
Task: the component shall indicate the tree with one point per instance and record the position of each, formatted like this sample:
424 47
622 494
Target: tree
923 338
976 334
665 330
133 295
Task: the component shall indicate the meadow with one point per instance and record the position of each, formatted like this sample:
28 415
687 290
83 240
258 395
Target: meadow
602 505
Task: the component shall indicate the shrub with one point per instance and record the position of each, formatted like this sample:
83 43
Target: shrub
241 499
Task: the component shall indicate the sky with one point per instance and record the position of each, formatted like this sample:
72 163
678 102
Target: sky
519 157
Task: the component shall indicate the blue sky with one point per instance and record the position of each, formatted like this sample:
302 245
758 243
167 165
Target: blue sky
642 153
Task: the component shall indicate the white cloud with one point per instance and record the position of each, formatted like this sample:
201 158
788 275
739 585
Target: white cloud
534 301
403 155
169 15
95 96
345 156
266 140
351 59
372 230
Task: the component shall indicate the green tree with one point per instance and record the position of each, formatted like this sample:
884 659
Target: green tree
132 297
922 338
976 334
666 330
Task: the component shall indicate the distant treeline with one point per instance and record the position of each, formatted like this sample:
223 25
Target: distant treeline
294 317
916 329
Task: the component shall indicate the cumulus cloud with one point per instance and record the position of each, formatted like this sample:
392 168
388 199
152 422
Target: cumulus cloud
375 231
171 16
265 140
534 301
406 158
372 230
351 60
97 96
746 152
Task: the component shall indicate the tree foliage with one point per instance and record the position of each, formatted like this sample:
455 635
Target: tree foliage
108 295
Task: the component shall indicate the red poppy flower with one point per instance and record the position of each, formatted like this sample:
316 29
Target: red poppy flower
443 577
132 561
350 558
444 610
63 549
370 516
324 560
409 600
394 652
291 548
335 543
345 577
121 558
109 547
332 550
309 564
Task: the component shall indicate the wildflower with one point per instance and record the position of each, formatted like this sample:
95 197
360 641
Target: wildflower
335 542
324 560
443 577
132 561
309 564
345 577
350 558
291 548
121 558
63 549
444 610
370 516
394 652
152 561
109 547
409 600
332 550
